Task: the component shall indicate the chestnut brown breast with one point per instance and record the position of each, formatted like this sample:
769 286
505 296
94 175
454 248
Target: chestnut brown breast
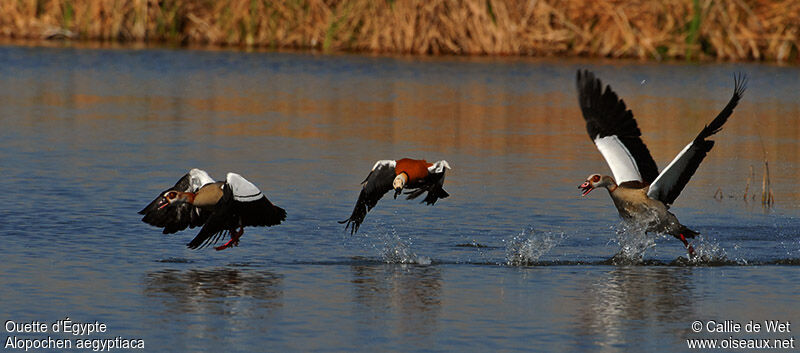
416 169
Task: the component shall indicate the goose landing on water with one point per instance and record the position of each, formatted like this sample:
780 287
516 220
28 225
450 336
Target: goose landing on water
415 174
220 207
639 192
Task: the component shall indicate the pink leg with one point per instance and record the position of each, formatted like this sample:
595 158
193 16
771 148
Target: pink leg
689 248
235 235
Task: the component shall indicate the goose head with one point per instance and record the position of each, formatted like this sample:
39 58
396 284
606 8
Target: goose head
596 181
173 196
399 182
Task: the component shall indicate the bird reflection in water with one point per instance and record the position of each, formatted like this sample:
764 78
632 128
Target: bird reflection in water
410 294
223 291
614 306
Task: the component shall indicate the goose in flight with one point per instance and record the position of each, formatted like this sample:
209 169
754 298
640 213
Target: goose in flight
416 175
220 207
640 193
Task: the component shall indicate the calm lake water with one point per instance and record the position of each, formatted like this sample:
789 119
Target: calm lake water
514 260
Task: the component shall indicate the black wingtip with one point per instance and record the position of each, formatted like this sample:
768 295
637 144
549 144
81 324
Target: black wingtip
353 225
585 74
281 214
585 80
739 84
193 245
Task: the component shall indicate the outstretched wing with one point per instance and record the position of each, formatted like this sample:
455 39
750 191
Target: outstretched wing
177 216
377 184
251 206
669 184
433 184
242 205
614 131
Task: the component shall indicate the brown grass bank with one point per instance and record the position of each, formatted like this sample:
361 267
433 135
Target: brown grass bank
650 29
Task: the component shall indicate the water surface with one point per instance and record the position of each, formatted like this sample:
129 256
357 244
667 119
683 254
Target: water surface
514 260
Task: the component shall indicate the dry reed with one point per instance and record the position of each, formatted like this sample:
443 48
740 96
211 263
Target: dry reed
689 29
747 186
767 199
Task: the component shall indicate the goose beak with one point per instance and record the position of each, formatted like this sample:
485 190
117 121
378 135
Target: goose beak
398 183
162 203
586 187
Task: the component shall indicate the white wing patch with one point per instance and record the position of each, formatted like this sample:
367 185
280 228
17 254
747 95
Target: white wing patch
438 167
669 176
388 162
199 178
243 190
618 158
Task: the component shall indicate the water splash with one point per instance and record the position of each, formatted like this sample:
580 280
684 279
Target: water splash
633 243
528 246
395 249
709 252
398 251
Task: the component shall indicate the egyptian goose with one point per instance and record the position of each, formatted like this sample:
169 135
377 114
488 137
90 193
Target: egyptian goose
639 192
415 174
220 207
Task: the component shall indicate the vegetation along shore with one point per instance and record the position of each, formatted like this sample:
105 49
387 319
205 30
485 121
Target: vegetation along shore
725 30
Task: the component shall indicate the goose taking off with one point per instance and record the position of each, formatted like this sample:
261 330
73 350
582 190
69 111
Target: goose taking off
639 192
417 175
220 207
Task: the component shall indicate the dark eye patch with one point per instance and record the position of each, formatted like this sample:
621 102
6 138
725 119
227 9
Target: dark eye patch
596 178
